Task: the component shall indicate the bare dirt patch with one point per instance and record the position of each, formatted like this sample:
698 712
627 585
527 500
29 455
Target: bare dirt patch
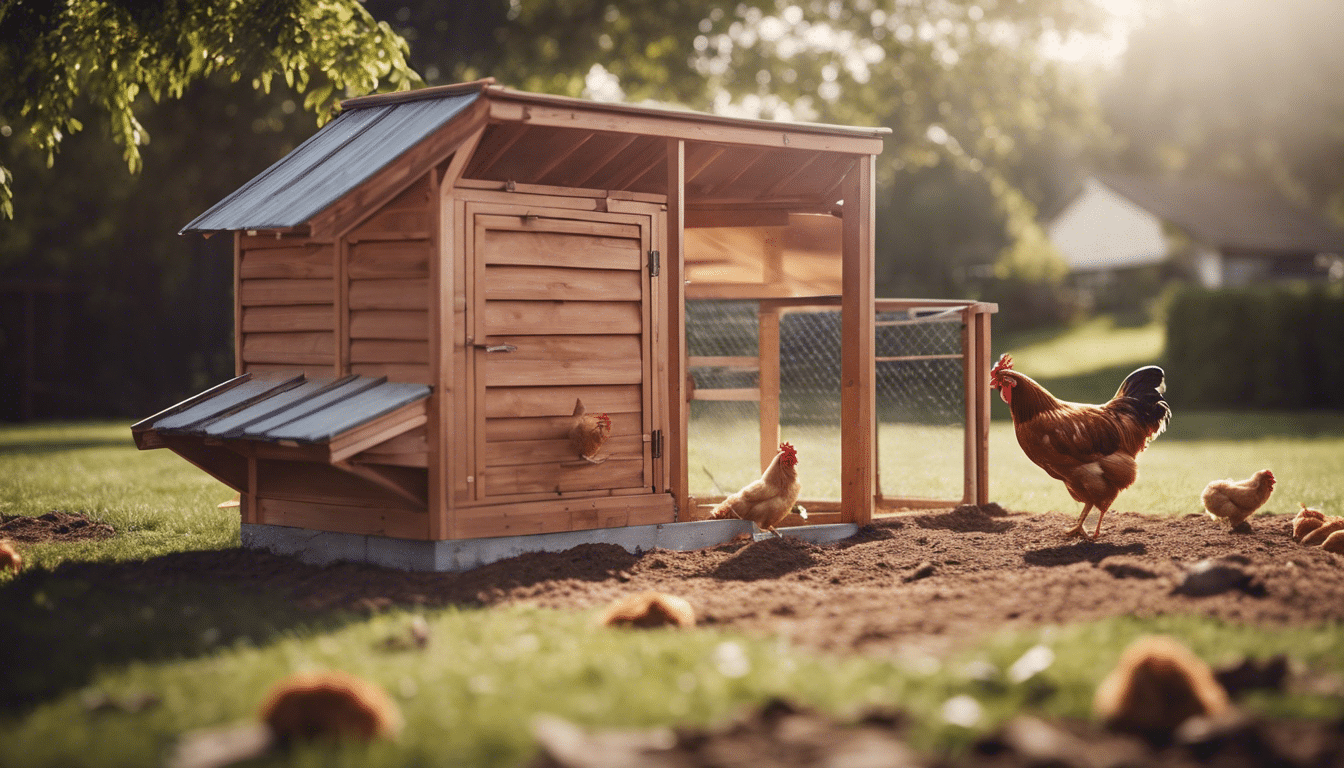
56 525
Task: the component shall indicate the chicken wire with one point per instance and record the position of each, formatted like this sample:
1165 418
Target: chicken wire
920 394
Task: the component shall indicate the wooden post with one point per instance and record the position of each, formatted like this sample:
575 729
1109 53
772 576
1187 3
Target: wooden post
983 352
970 470
768 381
674 264
857 348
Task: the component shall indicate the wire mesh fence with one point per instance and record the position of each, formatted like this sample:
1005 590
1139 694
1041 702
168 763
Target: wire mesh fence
920 393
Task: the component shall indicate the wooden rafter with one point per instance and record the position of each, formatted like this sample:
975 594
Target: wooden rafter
732 178
559 158
620 146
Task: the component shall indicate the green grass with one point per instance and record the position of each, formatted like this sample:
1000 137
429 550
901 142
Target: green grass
76 622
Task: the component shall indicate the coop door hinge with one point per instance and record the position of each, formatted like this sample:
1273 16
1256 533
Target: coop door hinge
656 442
654 263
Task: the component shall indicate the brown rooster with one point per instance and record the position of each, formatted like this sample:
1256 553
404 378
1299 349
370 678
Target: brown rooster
769 499
1091 448
589 432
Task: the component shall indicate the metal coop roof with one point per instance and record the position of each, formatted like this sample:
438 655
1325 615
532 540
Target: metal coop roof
333 161
286 407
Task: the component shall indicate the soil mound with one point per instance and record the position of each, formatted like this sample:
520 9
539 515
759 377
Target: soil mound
56 525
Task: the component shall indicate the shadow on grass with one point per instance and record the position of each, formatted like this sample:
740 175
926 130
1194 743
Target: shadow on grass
59 628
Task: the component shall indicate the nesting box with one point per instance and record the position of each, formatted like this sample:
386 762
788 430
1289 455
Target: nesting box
425 288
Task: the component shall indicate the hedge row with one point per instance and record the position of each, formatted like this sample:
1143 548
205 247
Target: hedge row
1267 347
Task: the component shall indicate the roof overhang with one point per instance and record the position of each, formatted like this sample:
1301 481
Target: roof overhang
383 140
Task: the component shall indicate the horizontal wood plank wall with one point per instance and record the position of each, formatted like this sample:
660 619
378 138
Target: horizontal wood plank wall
568 300
286 313
388 270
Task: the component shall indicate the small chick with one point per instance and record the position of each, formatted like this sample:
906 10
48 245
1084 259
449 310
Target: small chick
1157 685
10 559
589 432
1329 527
1232 501
330 705
1306 521
649 609
1334 543
305 706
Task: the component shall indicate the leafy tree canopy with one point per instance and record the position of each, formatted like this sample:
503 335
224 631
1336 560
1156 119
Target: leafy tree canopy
110 53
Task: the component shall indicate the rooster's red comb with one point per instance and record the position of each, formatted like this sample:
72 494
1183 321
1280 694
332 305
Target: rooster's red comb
1005 364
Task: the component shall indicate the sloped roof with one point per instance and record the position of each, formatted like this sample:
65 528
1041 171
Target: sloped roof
1230 216
339 157
556 141
288 407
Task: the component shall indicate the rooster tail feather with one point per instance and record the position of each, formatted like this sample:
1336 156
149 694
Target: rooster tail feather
1145 390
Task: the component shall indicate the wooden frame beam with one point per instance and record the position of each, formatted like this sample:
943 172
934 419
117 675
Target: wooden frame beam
858 411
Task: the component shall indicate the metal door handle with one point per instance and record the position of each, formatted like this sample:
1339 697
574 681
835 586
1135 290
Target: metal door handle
496 347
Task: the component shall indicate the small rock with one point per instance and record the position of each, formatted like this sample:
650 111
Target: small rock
1215 576
921 571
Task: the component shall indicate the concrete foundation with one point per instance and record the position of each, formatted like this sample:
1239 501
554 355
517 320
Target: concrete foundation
322 547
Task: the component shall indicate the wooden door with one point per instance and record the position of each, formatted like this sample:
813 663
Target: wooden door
561 310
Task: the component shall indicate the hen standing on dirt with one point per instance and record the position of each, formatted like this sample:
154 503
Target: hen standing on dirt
1092 448
769 499
1231 502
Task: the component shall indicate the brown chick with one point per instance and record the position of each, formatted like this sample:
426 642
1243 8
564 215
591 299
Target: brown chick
331 705
1334 543
589 432
305 706
769 499
1306 521
10 559
1231 501
649 609
1328 527
1157 685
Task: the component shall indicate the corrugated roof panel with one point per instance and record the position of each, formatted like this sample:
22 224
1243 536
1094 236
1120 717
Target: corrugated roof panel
332 162
323 425
244 394
287 407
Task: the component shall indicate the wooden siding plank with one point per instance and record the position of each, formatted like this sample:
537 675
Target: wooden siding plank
281 319
554 515
563 477
504 372
253 293
323 484
561 249
389 324
526 318
542 283
408 372
389 259
389 351
553 427
527 452
313 348
368 520
287 263
513 402
389 294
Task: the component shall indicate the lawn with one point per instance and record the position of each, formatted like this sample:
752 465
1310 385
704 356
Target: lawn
209 652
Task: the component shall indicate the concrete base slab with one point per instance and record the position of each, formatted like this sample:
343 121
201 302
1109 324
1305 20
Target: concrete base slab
323 547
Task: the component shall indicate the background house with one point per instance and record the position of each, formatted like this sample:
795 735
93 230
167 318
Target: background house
1237 234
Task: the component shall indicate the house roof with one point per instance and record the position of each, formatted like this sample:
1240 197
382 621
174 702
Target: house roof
555 141
1230 216
284 407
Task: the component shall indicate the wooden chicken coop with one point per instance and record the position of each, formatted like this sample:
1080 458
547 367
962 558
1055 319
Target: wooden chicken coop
425 287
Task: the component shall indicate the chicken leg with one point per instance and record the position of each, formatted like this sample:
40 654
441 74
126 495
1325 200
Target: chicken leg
1077 530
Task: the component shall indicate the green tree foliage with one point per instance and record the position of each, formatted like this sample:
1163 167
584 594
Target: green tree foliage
53 56
1242 89
981 119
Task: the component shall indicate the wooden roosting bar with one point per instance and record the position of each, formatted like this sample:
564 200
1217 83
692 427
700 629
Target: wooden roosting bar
474 259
